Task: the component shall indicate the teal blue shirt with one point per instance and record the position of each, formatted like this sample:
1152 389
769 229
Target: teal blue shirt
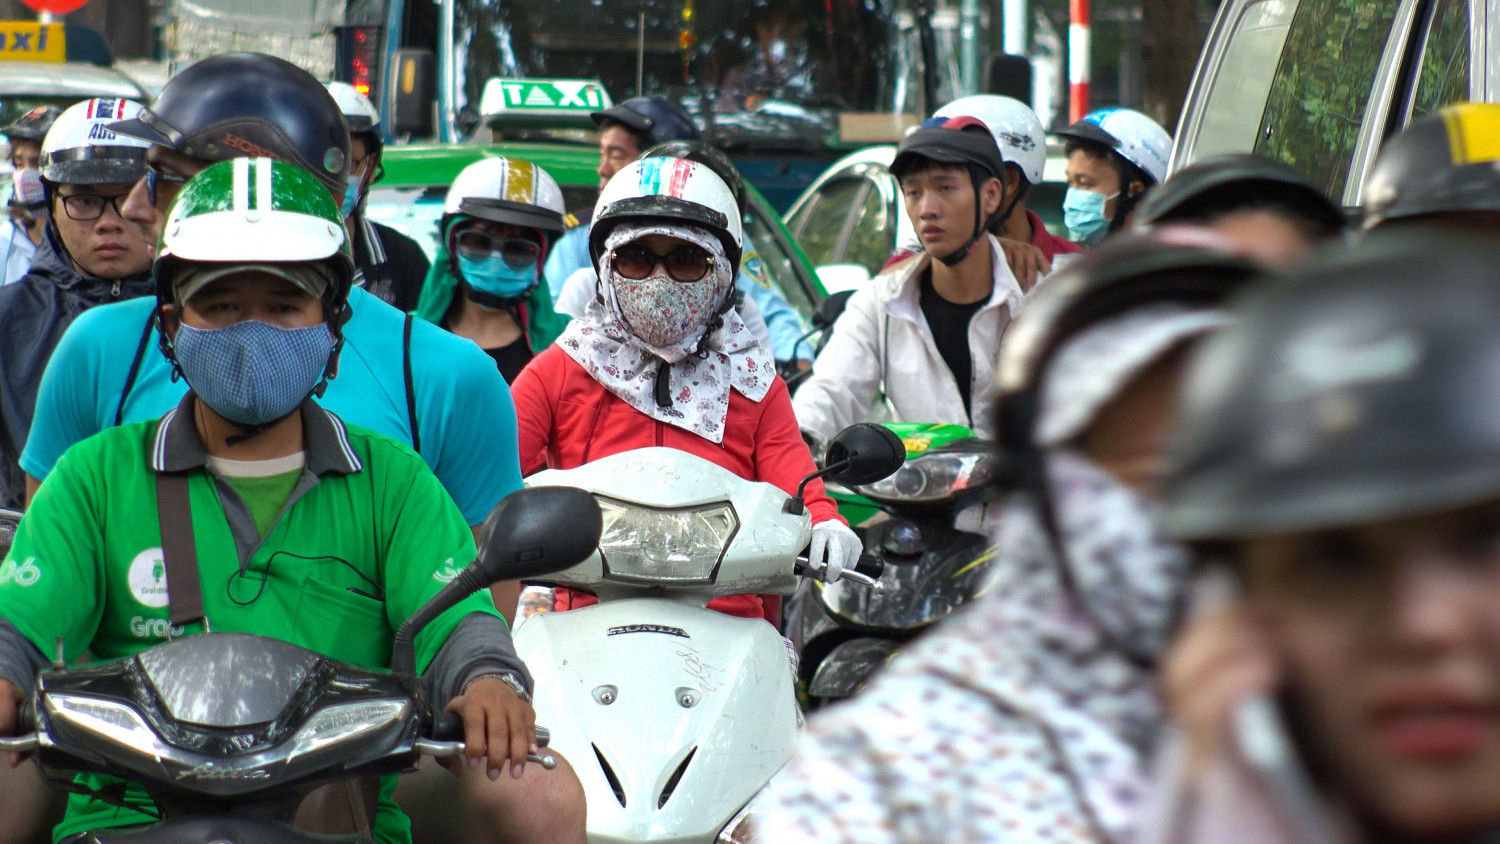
464 409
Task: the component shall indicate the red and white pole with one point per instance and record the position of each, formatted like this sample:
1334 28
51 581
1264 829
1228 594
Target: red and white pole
1079 37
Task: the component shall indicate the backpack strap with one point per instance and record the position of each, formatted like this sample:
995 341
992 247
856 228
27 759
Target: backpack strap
411 392
180 555
135 368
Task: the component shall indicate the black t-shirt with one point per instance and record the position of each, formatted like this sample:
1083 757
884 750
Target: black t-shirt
950 329
511 358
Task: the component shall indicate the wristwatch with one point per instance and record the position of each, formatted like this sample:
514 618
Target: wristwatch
506 678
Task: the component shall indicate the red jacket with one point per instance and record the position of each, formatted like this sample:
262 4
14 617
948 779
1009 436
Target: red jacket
567 419
1050 244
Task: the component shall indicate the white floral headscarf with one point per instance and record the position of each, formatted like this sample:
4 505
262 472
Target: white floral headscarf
703 367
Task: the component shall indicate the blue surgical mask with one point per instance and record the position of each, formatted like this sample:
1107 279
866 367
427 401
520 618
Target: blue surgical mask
351 196
495 276
253 372
1083 214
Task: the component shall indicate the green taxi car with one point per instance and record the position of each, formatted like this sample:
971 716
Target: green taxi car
409 198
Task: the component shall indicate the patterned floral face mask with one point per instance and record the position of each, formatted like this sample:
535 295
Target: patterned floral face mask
663 312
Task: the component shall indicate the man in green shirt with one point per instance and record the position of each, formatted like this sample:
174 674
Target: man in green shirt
305 529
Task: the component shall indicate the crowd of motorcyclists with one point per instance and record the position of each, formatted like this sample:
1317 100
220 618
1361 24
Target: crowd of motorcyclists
1245 510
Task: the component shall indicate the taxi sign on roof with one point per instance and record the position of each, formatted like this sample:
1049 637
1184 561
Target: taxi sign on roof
543 97
29 41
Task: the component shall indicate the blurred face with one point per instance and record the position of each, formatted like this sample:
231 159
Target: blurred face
617 148
1390 636
940 202
1265 237
359 156
101 242
1128 438
1095 174
25 155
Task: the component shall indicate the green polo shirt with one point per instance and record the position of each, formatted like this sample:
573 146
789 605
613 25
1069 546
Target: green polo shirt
367 536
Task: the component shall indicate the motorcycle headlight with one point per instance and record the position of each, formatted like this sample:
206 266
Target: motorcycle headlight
681 546
739 830
933 478
347 721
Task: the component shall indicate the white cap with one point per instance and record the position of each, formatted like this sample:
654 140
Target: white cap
508 190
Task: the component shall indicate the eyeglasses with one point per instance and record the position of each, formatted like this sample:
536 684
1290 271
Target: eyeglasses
686 263
517 252
155 179
85 207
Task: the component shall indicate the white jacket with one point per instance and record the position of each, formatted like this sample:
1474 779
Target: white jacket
883 364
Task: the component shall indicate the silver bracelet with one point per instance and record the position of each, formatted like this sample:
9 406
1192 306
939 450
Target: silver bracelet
506 678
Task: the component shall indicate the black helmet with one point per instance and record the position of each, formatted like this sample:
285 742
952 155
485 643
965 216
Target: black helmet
33 125
1230 183
657 119
1436 166
711 158
249 104
1360 388
957 140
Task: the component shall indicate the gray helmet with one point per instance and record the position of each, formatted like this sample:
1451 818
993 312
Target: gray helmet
1362 387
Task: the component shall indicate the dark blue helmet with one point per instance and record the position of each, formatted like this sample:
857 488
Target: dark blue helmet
657 119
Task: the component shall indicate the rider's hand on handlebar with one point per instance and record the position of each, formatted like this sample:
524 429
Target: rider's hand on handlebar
834 548
499 727
10 708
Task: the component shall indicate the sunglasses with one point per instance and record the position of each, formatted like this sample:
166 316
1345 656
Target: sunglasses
517 252
155 179
685 263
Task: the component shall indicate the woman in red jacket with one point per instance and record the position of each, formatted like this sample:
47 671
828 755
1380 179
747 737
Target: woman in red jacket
661 358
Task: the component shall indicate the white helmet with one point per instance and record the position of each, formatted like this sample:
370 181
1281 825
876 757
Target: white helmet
507 190
1017 129
358 111
80 149
1134 136
674 189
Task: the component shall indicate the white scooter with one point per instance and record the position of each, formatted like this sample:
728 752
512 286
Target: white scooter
674 715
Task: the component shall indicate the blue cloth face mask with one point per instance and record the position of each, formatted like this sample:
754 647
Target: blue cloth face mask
1083 214
351 196
497 277
252 372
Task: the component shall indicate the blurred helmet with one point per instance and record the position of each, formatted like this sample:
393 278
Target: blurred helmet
671 190
1445 162
33 125
657 118
249 105
1017 130
507 190
1133 136
1225 181
1360 388
709 156
80 149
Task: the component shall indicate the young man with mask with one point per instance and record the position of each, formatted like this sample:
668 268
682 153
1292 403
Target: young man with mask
324 535
1334 466
90 255
22 231
401 377
1115 155
918 344
391 265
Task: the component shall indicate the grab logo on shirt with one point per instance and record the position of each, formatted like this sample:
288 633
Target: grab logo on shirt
148 578
20 572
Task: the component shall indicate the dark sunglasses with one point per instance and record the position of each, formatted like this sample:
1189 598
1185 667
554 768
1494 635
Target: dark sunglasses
517 252
154 180
685 263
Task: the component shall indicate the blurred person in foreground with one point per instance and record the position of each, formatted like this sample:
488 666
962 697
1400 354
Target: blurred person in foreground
1336 469
1030 715
1441 170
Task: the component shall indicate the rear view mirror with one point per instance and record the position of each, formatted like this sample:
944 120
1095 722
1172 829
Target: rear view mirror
413 90
538 531
863 454
831 308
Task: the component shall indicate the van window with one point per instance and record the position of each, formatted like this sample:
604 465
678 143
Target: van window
1322 85
1443 76
1242 80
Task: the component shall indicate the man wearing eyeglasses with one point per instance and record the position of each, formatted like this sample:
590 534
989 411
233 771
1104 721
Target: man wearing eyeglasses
89 255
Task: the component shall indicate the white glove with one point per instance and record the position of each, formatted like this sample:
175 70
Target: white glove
834 548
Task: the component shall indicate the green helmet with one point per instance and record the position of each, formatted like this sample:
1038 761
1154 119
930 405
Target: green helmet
254 211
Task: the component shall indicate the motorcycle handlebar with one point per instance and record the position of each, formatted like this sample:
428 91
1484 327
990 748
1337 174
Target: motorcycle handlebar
447 740
867 571
19 744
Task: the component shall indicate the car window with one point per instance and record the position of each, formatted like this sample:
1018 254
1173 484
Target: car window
777 262
1242 81
415 212
1443 76
1321 87
820 223
873 237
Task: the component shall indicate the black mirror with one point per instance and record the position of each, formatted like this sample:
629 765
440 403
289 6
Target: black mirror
412 88
831 308
538 531
863 454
